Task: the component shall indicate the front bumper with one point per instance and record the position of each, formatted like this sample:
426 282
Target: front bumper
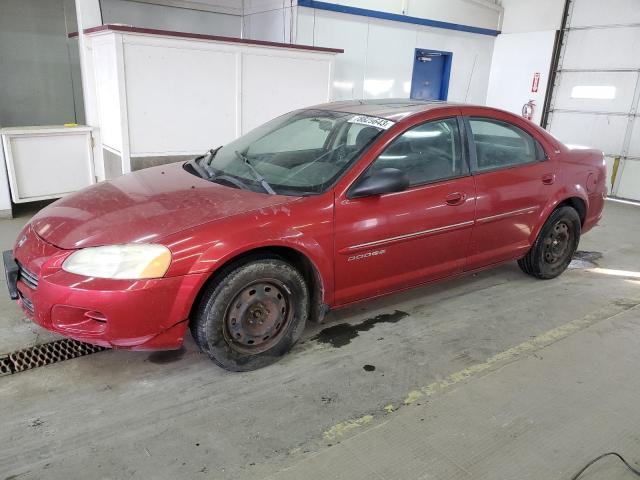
132 314
11 273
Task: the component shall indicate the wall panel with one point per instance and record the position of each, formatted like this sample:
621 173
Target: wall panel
190 92
605 132
602 48
596 12
571 93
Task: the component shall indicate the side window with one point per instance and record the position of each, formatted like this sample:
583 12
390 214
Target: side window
429 152
500 144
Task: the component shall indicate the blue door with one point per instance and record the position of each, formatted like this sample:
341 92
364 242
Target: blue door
431 69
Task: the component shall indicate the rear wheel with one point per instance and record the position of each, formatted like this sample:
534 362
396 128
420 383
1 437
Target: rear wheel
557 241
252 314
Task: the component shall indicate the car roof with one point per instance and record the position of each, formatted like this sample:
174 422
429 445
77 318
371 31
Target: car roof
394 109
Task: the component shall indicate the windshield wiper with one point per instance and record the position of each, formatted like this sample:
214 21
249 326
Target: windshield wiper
206 162
193 163
256 173
211 153
202 164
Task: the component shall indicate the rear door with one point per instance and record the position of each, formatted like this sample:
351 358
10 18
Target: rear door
514 180
397 240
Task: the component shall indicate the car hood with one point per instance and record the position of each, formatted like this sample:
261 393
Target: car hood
142 207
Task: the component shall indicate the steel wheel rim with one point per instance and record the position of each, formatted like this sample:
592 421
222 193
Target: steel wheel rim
258 316
557 243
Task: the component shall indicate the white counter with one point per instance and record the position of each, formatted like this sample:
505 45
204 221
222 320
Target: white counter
163 94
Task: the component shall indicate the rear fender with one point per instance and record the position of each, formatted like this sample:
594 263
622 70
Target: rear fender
561 195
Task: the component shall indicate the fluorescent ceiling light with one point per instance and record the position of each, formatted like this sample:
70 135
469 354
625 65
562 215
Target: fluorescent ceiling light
594 92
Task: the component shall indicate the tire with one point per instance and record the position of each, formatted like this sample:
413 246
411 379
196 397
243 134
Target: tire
555 245
252 314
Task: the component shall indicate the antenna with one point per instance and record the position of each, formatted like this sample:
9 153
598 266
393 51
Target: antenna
473 69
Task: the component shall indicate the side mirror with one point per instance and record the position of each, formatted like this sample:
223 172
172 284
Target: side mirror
385 180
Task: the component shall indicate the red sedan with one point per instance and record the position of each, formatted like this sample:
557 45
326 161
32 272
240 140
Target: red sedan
317 209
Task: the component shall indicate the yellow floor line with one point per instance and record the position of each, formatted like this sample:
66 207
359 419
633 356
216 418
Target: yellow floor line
524 348
341 428
616 308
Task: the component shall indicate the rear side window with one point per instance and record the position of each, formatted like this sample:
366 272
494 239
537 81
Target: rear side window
428 152
500 144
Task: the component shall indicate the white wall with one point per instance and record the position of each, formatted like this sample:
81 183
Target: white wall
532 15
516 58
378 54
37 70
270 20
166 17
232 7
524 47
477 13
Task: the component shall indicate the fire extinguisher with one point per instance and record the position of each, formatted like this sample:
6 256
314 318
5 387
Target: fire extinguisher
528 108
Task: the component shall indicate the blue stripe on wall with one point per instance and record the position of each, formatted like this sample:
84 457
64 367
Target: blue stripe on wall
332 7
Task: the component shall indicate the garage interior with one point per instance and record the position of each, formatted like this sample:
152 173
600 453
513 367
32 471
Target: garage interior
492 375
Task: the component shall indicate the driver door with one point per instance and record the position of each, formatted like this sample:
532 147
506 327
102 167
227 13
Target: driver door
397 240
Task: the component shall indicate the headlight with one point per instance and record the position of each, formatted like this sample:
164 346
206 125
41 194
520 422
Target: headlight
130 261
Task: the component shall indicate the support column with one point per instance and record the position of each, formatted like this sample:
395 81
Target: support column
5 194
89 15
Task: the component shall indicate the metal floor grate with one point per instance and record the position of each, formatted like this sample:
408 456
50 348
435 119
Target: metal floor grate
6 367
45 354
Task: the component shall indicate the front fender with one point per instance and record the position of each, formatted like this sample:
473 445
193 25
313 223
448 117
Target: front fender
222 253
305 228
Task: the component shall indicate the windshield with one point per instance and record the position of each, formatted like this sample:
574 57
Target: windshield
299 153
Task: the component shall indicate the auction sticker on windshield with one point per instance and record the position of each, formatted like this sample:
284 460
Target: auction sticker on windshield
382 123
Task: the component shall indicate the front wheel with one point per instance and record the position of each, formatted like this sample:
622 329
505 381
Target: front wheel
252 315
557 241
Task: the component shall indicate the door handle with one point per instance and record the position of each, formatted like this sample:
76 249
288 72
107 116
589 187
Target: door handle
455 198
548 178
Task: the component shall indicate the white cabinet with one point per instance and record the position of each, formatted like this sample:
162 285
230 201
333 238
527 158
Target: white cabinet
47 162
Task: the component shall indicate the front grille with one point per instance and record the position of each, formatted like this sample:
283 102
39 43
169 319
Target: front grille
30 279
28 304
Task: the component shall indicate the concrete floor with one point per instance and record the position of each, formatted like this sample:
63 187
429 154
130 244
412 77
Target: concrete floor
493 376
